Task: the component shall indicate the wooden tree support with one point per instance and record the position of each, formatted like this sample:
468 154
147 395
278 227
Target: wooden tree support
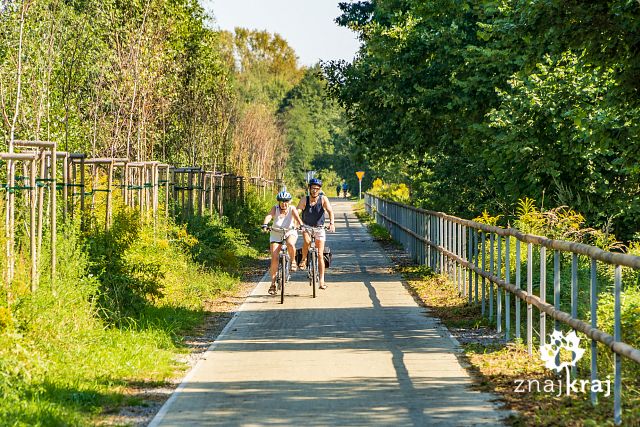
48 158
142 183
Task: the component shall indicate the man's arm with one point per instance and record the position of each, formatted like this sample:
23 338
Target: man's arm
301 204
327 207
294 212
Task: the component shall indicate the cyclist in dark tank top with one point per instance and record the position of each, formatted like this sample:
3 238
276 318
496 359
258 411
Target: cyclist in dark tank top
313 214
315 208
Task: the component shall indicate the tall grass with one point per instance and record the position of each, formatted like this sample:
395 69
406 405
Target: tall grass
122 302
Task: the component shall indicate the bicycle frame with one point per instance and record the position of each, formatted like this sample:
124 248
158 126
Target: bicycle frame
284 262
312 258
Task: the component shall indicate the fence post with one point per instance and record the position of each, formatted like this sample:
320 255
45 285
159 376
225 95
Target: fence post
543 294
507 295
574 296
484 283
470 259
617 337
498 288
518 284
492 241
529 292
477 262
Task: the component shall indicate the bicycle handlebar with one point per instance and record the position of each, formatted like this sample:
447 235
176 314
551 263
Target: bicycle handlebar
309 227
301 228
279 229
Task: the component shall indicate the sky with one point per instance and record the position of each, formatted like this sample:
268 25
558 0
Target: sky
307 25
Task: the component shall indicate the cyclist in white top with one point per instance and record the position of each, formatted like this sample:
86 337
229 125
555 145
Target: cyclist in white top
284 216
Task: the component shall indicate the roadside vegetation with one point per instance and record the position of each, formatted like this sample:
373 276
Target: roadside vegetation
152 81
123 301
497 364
476 105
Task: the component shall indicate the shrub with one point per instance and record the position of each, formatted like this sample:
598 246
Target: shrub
394 192
630 321
217 244
126 282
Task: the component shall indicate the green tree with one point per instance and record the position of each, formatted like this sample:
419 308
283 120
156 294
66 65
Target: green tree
479 104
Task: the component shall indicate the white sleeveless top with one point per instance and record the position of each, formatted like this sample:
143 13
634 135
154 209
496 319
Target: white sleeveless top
283 220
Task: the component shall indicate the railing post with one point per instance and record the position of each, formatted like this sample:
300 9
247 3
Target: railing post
477 261
452 249
507 295
543 294
484 283
529 292
498 288
440 244
617 337
491 272
556 286
443 245
470 255
574 296
460 253
594 324
518 283
463 252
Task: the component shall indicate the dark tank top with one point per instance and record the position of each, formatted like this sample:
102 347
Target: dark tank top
313 215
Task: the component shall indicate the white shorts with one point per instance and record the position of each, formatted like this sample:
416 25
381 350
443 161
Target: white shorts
321 234
275 237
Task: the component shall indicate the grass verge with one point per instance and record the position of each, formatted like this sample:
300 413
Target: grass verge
123 304
497 365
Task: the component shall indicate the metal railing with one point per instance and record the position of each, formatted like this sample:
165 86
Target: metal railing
458 248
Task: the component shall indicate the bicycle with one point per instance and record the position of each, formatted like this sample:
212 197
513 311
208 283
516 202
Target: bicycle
313 271
284 261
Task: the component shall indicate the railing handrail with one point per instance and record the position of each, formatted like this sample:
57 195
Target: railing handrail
450 245
594 252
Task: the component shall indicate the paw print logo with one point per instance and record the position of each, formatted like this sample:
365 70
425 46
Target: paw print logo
550 352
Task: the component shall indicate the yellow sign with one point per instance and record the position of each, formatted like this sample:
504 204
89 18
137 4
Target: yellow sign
360 174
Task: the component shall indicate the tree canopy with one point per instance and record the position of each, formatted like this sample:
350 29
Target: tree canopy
479 104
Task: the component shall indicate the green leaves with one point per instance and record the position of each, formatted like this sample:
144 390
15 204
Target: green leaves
499 101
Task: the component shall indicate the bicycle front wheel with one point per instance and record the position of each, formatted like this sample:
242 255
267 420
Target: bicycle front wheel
313 266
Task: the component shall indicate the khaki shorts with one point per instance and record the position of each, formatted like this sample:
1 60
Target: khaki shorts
320 233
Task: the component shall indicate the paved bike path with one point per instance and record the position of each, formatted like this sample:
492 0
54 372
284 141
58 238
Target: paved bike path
361 353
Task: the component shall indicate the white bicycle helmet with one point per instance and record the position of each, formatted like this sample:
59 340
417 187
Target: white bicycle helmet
284 196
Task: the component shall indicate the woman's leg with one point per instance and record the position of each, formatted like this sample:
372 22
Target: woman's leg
274 248
291 248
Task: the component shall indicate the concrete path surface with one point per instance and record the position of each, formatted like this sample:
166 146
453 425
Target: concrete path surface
361 353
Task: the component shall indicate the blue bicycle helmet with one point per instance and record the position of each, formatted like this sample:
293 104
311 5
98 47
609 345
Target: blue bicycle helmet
284 196
315 181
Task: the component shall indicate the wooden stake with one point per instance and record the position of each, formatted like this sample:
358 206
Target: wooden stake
166 197
54 216
82 194
65 187
125 186
109 196
33 195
